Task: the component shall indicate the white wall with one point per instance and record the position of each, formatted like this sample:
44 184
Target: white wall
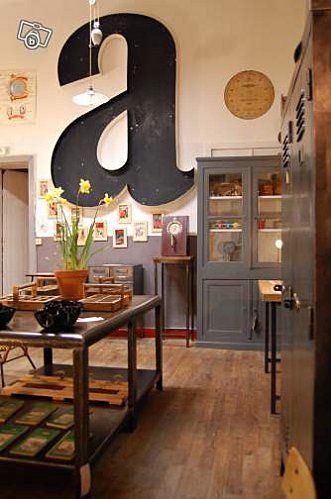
215 39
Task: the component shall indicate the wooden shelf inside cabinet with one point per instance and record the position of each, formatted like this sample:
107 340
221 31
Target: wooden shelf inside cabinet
223 216
225 230
225 197
270 230
276 196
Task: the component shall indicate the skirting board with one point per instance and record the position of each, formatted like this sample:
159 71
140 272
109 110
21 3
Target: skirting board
150 333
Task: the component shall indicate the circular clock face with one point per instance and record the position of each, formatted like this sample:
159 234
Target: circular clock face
249 94
174 228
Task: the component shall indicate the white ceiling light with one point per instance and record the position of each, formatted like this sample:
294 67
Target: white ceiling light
91 97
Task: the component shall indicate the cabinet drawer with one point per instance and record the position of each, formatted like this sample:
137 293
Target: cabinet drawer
120 271
127 282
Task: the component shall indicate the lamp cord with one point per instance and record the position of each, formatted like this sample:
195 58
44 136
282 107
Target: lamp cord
90 47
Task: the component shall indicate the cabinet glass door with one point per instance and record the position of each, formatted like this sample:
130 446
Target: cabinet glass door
225 217
268 218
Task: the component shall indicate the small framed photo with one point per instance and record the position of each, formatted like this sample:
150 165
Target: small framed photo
76 212
43 187
82 235
58 231
52 209
124 213
120 238
157 222
140 232
100 230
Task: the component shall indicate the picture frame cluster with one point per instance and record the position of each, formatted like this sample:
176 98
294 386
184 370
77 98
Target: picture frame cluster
140 228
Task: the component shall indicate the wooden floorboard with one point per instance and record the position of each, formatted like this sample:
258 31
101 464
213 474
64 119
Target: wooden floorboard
209 435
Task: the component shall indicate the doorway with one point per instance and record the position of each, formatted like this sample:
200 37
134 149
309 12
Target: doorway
17 248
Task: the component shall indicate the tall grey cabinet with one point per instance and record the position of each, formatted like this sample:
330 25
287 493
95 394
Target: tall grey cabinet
239 242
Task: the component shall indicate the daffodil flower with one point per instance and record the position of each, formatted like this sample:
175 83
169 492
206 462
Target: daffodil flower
84 186
54 194
107 199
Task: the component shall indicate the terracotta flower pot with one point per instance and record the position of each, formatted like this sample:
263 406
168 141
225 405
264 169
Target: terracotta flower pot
71 283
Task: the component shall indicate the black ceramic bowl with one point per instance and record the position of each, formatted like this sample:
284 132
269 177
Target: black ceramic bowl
59 315
6 314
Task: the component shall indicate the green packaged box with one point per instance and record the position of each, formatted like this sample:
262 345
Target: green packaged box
36 413
8 408
9 433
64 450
63 418
33 443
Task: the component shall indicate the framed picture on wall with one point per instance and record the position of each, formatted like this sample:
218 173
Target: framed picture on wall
58 231
52 209
76 212
140 232
43 187
120 238
82 235
157 222
100 231
124 213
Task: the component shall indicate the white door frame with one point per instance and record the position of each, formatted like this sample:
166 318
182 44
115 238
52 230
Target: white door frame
28 162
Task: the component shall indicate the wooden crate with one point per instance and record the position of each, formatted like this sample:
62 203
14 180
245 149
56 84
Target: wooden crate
98 297
25 297
61 389
102 302
109 289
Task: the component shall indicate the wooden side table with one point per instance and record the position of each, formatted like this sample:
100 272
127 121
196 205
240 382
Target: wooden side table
271 298
177 260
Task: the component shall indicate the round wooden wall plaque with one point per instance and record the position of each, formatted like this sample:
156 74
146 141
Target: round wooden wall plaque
249 94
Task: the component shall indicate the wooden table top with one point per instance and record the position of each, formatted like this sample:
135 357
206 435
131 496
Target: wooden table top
40 274
25 330
267 291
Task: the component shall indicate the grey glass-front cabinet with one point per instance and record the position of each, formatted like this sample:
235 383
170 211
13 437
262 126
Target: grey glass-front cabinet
239 242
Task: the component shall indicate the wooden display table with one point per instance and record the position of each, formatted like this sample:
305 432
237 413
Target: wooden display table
271 298
177 260
104 420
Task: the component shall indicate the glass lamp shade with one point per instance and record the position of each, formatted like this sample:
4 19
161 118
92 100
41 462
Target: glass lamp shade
90 98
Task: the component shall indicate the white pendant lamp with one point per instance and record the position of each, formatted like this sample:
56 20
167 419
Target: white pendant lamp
91 97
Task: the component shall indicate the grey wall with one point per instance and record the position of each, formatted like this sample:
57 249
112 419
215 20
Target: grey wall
142 253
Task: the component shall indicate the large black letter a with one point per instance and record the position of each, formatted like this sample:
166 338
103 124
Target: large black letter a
150 172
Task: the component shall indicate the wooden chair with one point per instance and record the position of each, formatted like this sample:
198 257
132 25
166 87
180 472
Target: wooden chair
298 482
4 359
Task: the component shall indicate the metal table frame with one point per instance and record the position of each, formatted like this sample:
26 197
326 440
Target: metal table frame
272 299
25 332
189 271
271 327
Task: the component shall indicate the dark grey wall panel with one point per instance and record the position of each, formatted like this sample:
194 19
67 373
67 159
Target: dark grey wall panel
136 253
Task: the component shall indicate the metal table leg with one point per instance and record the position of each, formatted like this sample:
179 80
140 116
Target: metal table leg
273 358
266 338
81 417
188 306
132 375
192 298
158 346
48 361
163 298
156 284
